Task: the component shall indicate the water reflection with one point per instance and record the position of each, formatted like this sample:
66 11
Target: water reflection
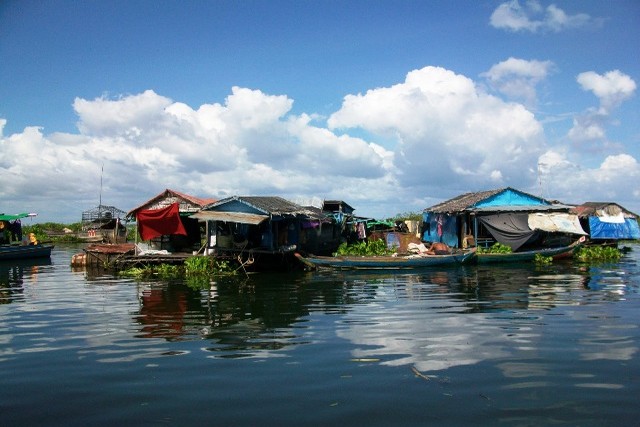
13 274
473 315
267 313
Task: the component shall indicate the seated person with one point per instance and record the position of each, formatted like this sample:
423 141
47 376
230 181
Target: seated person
32 239
439 248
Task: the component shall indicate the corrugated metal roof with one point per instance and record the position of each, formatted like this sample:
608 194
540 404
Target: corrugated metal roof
168 193
269 205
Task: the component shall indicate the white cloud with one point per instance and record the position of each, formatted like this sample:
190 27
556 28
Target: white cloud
431 137
611 88
251 144
616 178
447 130
517 78
532 17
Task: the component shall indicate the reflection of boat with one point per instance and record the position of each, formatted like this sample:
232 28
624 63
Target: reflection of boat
24 251
556 253
387 262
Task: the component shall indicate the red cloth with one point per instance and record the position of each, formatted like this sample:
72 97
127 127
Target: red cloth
158 222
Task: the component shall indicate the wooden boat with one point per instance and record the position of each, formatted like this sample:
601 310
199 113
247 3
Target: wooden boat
24 251
386 262
527 256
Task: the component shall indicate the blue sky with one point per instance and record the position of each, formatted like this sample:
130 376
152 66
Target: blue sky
392 106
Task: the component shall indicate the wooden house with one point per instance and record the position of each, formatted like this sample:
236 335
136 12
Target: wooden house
607 222
506 215
266 230
165 221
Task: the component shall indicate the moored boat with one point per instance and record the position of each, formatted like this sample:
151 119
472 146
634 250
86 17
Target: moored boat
559 252
24 251
12 244
399 262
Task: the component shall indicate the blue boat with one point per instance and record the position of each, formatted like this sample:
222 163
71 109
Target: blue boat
24 251
12 246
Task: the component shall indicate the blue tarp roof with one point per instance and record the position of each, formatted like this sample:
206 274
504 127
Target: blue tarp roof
626 230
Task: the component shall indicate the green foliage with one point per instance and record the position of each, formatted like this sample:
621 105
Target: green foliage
367 248
598 253
542 260
407 216
496 248
197 271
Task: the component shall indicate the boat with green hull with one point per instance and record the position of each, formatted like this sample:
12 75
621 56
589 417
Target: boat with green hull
400 262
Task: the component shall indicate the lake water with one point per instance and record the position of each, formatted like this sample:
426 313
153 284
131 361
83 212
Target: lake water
495 345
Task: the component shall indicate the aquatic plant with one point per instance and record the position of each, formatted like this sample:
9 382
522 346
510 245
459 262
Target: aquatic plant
196 268
598 253
366 248
496 248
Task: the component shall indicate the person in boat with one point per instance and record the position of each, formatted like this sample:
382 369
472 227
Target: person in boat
33 240
3 233
439 248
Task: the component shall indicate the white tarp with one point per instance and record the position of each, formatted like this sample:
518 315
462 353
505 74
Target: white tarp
612 219
556 222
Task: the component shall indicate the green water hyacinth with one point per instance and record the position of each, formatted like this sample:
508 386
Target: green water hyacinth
598 253
366 248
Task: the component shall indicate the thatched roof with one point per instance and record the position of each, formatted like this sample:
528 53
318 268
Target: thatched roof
468 202
463 201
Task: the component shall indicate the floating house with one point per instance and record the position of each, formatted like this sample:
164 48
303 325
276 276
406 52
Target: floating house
267 230
607 222
103 224
165 221
506 215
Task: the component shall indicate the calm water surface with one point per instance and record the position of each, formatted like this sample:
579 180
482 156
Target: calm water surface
499 345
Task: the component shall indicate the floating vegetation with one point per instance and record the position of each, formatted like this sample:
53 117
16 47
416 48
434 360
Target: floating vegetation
367 248
598 253
496 248
197 271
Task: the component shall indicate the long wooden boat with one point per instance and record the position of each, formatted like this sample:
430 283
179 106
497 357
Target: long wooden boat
25 251
386 262
526 256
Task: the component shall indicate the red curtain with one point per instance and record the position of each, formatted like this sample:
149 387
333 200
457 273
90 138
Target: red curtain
158 222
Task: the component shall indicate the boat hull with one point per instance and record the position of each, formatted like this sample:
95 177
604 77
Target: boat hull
386 262
527 256
24 251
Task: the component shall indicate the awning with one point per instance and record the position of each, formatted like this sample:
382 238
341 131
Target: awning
4 217
556 222
239 217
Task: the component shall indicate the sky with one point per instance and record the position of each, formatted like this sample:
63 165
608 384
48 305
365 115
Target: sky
391 106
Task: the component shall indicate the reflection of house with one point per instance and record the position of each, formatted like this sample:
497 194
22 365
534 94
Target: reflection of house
252 227
607 221
164 221
505 215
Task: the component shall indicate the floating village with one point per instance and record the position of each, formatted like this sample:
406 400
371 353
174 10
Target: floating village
259 233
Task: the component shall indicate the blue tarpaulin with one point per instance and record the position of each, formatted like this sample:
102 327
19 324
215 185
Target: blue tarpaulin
613 230
440 228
